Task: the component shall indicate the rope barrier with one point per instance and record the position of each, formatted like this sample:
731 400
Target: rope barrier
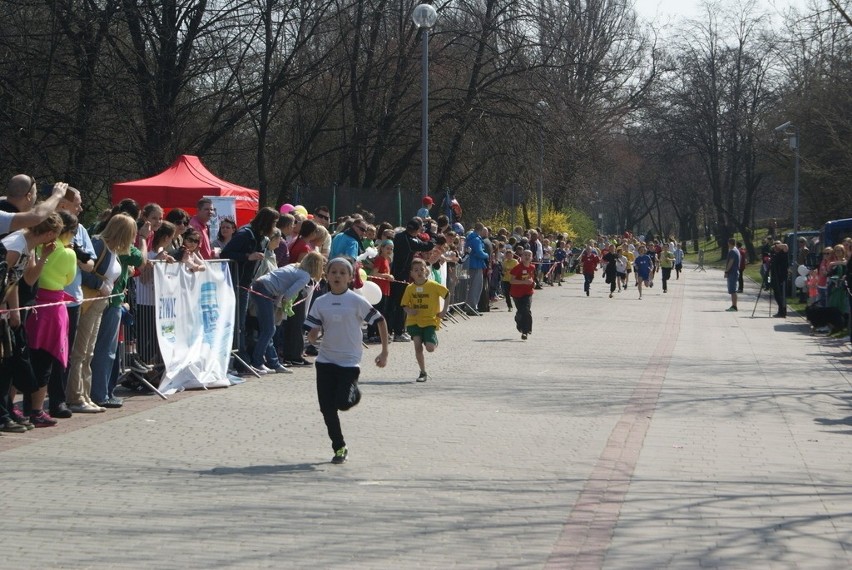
57 303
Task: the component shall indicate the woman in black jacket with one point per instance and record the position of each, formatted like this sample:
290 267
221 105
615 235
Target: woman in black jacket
245 249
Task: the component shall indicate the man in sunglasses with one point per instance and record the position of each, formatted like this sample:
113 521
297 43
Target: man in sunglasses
18 209
349 241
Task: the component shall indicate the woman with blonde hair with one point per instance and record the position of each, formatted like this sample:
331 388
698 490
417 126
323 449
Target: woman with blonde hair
269 291
116 239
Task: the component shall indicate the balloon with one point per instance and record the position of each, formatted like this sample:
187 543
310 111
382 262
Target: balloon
301 210
286 208
801 281
363 275
803 270
371 292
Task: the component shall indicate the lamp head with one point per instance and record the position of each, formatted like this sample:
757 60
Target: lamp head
782 128
424 16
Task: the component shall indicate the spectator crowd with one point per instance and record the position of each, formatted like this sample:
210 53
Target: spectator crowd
78 303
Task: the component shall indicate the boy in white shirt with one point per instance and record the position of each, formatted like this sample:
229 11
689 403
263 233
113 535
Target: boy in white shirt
338 315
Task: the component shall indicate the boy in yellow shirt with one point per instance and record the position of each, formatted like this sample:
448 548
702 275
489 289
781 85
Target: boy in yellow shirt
422 305
509 263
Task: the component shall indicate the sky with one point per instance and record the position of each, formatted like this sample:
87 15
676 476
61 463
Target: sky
661 10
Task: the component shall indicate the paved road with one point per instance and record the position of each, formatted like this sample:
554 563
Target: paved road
624 434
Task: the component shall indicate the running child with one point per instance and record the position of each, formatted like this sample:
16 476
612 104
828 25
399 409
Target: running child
590 260
338 315
523 283
510 260
643 265
421 302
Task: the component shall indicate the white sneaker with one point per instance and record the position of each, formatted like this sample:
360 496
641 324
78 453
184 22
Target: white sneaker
281 369
263 369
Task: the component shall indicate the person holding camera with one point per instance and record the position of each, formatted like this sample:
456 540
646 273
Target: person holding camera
778 268
18 208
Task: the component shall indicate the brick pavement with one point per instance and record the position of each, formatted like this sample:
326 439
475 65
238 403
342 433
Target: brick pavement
696 438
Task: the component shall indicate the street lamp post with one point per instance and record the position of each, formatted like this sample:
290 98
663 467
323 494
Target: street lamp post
792 133
542 107
424 17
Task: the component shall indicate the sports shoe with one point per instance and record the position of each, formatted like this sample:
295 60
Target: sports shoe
281 369
340 456
259 370
40 419
263 369
300 362
11 426
731 309
404 337
86 408
111 403
423 376
135 363
21 419
524 336
61 411
311 350
610 295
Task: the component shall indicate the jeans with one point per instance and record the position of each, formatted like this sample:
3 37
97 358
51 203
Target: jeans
242 312
587 280
264 351
396 314
103 358
475 289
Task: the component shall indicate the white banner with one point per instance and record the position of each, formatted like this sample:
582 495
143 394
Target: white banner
195 324
226 207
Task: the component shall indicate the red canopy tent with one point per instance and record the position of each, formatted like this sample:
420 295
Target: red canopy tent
182 184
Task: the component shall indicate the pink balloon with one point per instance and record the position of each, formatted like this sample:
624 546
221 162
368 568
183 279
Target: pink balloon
286 208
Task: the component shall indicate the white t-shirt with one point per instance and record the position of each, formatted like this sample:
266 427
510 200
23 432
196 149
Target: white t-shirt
6 222
113 272
145 291
16 242
340 317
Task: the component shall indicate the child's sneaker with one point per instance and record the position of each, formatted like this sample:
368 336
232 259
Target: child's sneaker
340 456
423 377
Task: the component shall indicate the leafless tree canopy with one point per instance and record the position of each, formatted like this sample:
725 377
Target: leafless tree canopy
668 132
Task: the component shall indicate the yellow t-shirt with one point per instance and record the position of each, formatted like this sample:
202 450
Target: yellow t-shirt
59 270
508 266
425 298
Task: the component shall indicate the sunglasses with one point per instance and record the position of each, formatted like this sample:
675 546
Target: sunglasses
362 228
323 217
190 240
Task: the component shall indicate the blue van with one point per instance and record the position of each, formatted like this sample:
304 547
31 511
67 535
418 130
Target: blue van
834 232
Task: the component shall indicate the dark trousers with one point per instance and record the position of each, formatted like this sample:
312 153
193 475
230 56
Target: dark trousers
523 315
395 314
59 375
485 296
506 288
587 280
667 274
332 382
779 291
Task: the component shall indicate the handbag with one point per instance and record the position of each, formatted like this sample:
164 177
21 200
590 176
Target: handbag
88 292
